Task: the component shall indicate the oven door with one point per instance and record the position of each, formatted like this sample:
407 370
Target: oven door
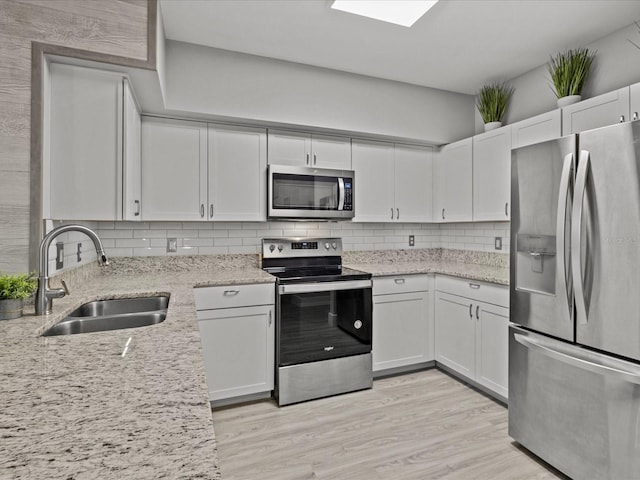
319 321
302 192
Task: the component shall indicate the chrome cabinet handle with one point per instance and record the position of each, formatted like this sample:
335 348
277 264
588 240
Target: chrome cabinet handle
576 237
269 317
621 119
397 214
443 213
392 214
635 115
470 310
399 281
137 212
230 293
202 210
474 285
315 160
211 211
506 209
307 159
477 312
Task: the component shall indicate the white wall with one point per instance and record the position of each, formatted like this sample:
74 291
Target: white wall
228 84
617 65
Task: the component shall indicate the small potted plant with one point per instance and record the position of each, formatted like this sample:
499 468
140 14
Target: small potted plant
492 101
569 71
13 290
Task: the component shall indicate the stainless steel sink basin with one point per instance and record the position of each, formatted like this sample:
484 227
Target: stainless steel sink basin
120 306
103 315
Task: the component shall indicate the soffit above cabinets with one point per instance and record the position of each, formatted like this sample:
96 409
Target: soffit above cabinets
458 45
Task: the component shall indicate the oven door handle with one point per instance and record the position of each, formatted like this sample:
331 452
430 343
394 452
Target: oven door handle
323 286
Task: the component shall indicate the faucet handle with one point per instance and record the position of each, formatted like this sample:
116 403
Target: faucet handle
65 288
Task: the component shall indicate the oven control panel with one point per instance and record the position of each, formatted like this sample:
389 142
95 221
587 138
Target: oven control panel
301 247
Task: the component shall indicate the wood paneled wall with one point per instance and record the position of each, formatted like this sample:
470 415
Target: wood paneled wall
106 27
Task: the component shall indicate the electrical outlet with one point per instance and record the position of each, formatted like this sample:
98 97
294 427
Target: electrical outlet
172 245
412 240
498 243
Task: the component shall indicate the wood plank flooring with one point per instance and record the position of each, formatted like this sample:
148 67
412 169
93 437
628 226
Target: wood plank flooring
424 425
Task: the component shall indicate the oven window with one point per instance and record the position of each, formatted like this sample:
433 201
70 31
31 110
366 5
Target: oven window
322 325
304 192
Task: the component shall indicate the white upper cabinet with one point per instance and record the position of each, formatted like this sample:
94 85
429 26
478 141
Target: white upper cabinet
453 182
192 171
132 160
540 128
304 149
606 109
413 175
374 181
237 173
634 101
491 175
174 169
393 182
85 144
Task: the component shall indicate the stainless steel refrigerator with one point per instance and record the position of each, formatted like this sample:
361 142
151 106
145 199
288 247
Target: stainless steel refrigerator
574 342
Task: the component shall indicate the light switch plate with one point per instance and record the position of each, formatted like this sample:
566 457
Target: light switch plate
172 245
498 243
59 255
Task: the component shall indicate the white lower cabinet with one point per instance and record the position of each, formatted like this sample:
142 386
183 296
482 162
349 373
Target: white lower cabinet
471 331
237 326
402 322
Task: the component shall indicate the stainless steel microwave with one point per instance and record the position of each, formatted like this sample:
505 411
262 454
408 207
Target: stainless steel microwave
299 193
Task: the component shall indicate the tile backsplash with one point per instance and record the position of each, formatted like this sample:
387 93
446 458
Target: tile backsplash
137 239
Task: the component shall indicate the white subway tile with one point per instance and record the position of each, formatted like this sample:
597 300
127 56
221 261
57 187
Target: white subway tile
197 242
132 242
213 250
148 252
148 233
119 252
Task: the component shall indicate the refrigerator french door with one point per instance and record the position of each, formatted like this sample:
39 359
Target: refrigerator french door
574 351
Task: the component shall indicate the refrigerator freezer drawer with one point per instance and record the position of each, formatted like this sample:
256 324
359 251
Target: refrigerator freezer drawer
575 409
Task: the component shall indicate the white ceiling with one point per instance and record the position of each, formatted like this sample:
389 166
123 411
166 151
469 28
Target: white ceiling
458 45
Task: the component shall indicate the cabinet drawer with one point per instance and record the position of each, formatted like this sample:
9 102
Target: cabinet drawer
400 284
229 296
473 289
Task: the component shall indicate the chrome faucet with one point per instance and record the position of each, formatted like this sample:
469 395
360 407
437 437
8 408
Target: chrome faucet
45 295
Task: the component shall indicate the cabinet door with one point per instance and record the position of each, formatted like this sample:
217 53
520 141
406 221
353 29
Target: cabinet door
400 330
453 182
373 184
537 129
492 347
237 173
331 152
238 350
289 148
85 144
174 169
413 183
491 175
455 333
634 101
606 109
131 161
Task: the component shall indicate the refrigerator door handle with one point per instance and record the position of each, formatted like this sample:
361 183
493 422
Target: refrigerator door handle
576 237
565 177
589 363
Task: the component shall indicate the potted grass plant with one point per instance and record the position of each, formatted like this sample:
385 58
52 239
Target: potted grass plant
569 71
492 101
13 291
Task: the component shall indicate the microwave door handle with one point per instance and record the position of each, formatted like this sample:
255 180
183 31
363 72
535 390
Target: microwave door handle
340 193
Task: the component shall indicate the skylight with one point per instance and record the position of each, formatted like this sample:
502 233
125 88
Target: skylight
399 12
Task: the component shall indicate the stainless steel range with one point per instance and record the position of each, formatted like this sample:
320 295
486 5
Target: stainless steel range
323 319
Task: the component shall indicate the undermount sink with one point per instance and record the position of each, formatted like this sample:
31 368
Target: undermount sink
117 314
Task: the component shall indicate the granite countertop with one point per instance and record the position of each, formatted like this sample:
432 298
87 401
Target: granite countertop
134 403
79 407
